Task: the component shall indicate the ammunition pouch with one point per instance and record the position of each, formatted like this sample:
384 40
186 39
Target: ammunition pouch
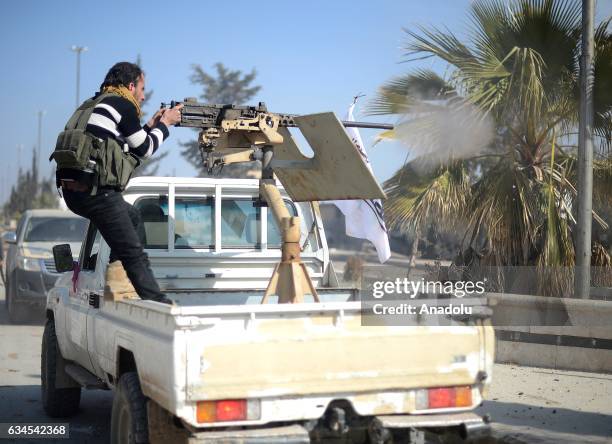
102 162
74 150
115 166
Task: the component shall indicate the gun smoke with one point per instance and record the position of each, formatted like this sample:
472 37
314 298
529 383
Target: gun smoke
438 133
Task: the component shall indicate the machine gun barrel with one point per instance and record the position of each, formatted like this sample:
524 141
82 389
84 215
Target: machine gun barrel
198 115
346 123
352 124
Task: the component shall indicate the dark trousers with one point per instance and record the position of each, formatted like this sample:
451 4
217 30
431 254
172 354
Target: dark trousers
120 225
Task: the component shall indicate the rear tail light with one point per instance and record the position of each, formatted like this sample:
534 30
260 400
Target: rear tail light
206 411
440 398
463 396
228 410
231 410
443 397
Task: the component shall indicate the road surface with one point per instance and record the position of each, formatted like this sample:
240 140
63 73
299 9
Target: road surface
527 405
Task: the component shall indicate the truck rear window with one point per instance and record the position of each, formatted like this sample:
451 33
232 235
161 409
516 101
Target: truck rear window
241 221
154 216
194 223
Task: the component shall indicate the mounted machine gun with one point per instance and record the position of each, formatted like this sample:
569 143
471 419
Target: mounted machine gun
232 134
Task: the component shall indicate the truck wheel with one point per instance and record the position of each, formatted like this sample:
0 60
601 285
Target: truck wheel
16 311
58 403
129 423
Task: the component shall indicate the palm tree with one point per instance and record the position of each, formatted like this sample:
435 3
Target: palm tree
513 84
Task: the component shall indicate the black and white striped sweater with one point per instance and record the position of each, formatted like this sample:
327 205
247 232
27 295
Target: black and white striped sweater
116 117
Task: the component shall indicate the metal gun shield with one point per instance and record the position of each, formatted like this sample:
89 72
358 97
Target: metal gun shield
337 171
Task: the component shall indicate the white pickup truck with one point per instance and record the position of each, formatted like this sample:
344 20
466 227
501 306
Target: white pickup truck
218 366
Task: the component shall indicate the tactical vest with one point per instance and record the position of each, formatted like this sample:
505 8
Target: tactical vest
103 161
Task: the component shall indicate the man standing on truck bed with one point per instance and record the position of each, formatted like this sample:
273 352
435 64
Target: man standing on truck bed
96 154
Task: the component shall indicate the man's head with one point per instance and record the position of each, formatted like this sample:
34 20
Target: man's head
129 75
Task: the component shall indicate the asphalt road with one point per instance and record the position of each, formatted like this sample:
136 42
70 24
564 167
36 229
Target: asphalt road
20 386
537 405
527 405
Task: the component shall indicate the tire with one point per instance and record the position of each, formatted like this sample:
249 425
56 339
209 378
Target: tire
16 311
129 424
58 403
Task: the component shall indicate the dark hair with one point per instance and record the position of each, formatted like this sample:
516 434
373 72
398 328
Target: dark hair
122 74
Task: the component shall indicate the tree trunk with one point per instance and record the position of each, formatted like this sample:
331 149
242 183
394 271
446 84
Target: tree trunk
413 253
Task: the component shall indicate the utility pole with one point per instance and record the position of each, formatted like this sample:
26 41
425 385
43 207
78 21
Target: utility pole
582 276
41 113
19 149
5 181
78 50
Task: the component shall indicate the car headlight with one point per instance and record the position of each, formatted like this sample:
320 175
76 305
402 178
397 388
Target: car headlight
28 263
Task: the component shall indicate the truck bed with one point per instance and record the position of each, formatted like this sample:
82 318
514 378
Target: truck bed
288 352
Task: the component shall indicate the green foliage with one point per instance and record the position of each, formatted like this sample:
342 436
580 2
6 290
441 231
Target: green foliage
148 93
519 68
30 193
227 86
224 87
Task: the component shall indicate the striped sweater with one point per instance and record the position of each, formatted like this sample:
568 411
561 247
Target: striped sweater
116 117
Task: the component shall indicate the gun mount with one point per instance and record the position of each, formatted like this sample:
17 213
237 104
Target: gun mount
232 134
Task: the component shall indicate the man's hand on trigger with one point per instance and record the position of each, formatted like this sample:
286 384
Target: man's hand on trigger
156 117
172 116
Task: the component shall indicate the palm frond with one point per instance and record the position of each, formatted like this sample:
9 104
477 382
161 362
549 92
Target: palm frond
398 94
506 206
602 183
557 254
417 193
444 45
602 91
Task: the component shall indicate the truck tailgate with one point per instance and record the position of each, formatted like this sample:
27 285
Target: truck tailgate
283 350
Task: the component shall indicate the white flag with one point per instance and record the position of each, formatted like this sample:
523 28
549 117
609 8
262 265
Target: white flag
365 218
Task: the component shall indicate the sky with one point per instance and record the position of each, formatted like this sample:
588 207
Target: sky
310 56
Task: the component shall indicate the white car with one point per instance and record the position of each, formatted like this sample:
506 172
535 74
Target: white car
30 269
218 366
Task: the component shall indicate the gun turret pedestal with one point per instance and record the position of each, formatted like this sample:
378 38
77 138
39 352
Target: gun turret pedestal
290 279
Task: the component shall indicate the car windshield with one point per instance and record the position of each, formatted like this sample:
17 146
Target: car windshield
55 229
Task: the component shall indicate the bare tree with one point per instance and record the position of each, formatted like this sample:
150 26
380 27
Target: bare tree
224 87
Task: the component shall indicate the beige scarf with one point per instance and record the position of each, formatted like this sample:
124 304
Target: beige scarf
126 94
